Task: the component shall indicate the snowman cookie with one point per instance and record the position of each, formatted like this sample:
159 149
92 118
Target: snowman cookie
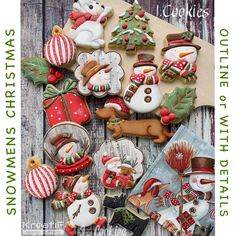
83 206
67 144
143 94
99 73
180 58
89 17
118 163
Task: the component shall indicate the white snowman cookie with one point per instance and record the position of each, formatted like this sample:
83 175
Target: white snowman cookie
143 94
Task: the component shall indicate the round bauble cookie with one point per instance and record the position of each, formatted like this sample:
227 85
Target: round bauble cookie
60 50
41 181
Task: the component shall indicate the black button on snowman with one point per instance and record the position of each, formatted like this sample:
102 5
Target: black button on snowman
143 93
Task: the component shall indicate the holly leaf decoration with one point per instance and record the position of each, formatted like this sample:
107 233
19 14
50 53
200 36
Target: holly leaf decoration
187 35
35 69
178 104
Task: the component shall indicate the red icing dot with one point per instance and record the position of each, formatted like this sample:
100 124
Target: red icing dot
126 39
124 26
131 13
145 39
141 14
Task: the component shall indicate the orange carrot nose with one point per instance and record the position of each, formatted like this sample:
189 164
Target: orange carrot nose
147 70
85 178
108 70
184 54
69 148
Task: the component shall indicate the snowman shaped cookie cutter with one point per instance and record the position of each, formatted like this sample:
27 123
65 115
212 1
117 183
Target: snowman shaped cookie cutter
67 144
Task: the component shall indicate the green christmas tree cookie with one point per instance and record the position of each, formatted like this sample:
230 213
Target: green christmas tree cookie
133 30
177 105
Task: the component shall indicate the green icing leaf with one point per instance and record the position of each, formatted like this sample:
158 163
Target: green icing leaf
35 69
180 102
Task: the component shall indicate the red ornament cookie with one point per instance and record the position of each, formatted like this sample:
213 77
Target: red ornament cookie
65 104
41 181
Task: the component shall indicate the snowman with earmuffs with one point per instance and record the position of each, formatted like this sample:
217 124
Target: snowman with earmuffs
88 19
180 58
143 94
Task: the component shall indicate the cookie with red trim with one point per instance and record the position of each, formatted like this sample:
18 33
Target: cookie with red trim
68 144
41 181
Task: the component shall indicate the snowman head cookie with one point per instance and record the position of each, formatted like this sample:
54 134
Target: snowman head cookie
179 58
68 144
143 94
99 73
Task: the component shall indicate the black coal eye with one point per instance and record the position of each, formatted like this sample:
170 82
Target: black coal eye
102 6
192 209
91 7
195 202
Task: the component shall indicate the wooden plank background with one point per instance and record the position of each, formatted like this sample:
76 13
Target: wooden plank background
37 19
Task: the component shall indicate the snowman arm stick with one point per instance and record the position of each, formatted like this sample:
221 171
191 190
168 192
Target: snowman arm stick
106 12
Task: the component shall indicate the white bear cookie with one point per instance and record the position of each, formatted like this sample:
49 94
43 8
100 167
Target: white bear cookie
89 18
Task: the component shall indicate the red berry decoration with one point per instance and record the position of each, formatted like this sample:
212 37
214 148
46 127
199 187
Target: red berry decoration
126 39
141 14
165 119
172 116
124 26
131 13
164 111
145 39
52 79
59 74
144 28
52 70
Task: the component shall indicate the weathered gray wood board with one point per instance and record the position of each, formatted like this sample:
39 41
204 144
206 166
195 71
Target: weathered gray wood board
38 18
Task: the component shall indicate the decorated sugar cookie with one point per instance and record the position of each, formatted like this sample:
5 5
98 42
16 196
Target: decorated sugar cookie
180 58
65 104
133 31
99 73
125 216
41 181
89 17
40 71
143 94
114 107
151 128
118 163
83 206
68 144
60 50
177 105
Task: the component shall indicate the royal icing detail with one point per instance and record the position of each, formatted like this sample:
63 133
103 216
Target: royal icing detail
65 104
124 216
121 166
177 105
60 49
143 94
41 181
99 73
89 18
133 30
68 145
180 58
83 206
114 107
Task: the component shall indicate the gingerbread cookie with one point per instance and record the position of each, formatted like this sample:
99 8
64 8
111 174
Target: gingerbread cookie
118 163
124 216
89 18
143 94
99 73
40 71
180 58
83 206
67 144
41 181
60 50
177 105
114 107
133 30
65 104
141 128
